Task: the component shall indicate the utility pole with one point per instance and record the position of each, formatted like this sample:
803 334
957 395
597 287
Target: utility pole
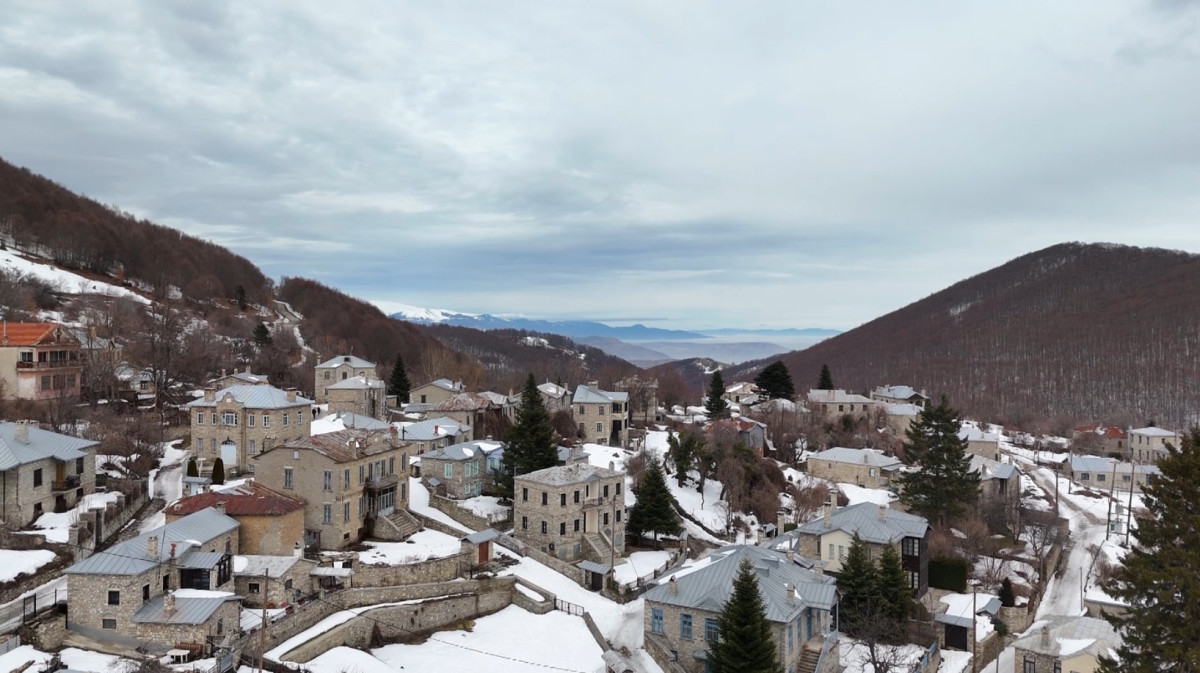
1129 510
262 632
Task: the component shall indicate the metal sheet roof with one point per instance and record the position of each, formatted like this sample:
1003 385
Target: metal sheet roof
42 445
589 395
253 397
484 535
356 383
576 473
188 610
864 519
593 567
132 557
869 457
352 360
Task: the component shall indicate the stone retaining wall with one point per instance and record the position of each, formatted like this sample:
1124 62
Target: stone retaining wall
433 570
450 507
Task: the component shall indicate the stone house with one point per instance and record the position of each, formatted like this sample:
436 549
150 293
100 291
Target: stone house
572 511
273 581
555 396
862 467
504 405
270 523
643 398
741 392
748 432
42 471
433 433
981 442
38 361
1148 445
1065 644
900 395
828 538
900 416
456 471
436 391
337 369
1104 439
242 421
681 613
242 378
838 402
358 395
471 410
345 478
1107 474
999 485
173 584
602 416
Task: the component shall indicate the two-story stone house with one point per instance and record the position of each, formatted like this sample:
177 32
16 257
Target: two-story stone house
273 581
437 390
42 472
1148 445
602 416
337 369
574 511
862 467
242 421
173 584
828 538
838 402
456 471
38 361
556 397
682 611
900 395
433 433
270 523
1064 643
344 478
359 395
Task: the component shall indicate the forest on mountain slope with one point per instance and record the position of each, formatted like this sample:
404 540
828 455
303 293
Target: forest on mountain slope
1075 332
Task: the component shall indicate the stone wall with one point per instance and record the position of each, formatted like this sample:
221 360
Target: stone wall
433 570
46 632
847 473
529 604
434 524
574 573
465 517
10 590
1017 619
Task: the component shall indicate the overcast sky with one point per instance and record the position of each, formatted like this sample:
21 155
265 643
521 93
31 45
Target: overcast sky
682 164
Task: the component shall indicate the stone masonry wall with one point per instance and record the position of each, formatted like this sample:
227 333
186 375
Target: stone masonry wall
434 570
465 517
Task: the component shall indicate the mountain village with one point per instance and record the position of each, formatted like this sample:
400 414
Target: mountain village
359 526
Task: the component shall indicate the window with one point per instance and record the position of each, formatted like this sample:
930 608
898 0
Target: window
392 467
656 620
346 511
285 419
214 418
618 516
841 552
250 420
45 383
114 597
287 477
790 636
582 410
599 427
1058 667
1084 476
562 528
212 445
252 444
618 488
266 420
145 592
362 471
199 418
600 410
914 579
1030 665
576 497
37 477
327 483
108 623
524 495
1100 476
562 499
685 626
911 546
605 518
524 523
543 528
830 556
326 376
545 497
299 417
711 630
327 514
870 472
287 584
252 588
448 470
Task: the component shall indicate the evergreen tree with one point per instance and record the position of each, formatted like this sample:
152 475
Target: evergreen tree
398 383
262 335
530 446
654 511
745 644
683 450
825 381
776 381
218 472
1159 581
943 487
857 584
192 469
240 293
895 594
715 402
1007 597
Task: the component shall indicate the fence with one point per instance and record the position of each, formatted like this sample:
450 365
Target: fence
10 644
19 612
567 607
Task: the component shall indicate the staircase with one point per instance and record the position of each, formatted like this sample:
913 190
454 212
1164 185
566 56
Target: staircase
600 548
808 661
398 525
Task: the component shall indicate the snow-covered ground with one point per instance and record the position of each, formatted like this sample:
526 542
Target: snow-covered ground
63 281
418 501
486 507
422 546
19 562
75 659
642 564
54 525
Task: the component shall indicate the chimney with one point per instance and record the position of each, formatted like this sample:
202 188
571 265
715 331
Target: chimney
866 457
220 506
291 395
169 603
672 586
297 550
789 592
222 372
210 395
247 369
791 556
828 515
1045 639
152 547
21 432
883 509
173 550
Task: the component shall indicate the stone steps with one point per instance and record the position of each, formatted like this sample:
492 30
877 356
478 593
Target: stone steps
398 525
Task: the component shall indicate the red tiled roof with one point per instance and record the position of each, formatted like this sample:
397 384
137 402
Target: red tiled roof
250 499
25 333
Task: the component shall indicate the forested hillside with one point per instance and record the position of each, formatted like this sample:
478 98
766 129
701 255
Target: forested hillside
1078 332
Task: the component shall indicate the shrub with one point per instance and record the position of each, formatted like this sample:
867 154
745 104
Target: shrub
948 573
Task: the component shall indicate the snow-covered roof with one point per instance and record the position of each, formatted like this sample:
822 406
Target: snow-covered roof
961 608
1152 432
898 393
430 429
1106 465
1064 636
590 395
38 445
871 457
463 451
992 469
836 396
356 383
349 360
445 384
576 473
972 433
340 420
552 390
253 397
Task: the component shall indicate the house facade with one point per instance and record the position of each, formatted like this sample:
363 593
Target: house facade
984 443
344 478
436 391
681 613
556 397
273 581
338 369
41 472
1149 445
1065 644
242 421
433 433
601 416
456 471
900 395
269 522
828 538
999 485
862 467
38 361
358 395
173 584
1106 439
242 378
574 511
1106 474
838 402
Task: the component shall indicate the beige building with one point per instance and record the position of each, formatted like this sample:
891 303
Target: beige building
602 416
436 391
433 433
456 471
242 421
838 402
862 467
344 478
42 472
358 395
556 397
572 511
1061 644
338 369
38 361
1149 445
900 416
983 443
270 523
682 612
273 581
900 395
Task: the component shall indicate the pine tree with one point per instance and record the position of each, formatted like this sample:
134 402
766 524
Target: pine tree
192 469
654 512
1007 597
858 588
240 294
1159 581
398 383
745 644
715 402
895 593
530 446
682 451
218 471
825 381
776 381
942 487
262 335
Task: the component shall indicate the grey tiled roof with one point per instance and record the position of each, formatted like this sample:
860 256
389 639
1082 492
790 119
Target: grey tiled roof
990 469
561 475
42 445
200 560
352 360
707 583
131 557
254 397
864 520
589 395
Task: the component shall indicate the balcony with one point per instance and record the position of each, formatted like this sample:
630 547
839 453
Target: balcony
381 483
65 484
48 366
